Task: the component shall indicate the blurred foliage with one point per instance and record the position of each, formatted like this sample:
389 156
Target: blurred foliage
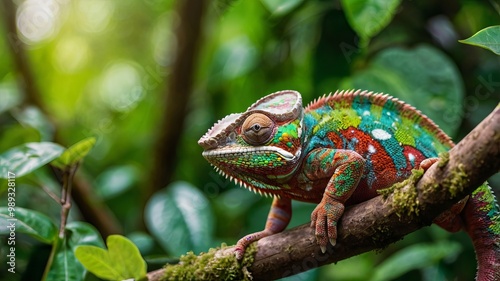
101 68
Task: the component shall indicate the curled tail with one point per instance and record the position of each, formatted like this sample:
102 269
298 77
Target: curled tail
481 218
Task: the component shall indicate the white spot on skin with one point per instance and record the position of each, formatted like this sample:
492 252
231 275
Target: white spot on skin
381 134
411 157
371 149
366 113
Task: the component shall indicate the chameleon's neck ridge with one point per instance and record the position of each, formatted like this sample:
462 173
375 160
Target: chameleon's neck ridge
348 98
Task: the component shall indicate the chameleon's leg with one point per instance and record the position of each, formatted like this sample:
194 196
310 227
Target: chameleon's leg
481 218
344 168
277 220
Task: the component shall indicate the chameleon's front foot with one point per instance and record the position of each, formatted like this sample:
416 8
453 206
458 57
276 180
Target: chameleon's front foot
324 219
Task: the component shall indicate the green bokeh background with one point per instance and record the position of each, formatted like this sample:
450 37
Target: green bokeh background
102 68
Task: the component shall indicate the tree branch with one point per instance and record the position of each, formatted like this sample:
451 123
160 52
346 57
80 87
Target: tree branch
178 93
376 223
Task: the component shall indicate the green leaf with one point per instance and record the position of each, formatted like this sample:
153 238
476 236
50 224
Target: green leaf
121 261
75 153
28 157
369 17
82 233
33 223
97 261
281 7
127 256
487 38
65 265
423 77
415 257
180 218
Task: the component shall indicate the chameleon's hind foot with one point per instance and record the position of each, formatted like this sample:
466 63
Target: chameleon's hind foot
244 242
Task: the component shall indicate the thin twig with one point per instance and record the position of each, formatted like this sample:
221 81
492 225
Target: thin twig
69 174
65 201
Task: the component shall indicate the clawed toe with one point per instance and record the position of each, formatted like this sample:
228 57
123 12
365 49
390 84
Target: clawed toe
333 241
323 242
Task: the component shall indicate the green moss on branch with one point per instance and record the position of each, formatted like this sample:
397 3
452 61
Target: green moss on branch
405 200
217 264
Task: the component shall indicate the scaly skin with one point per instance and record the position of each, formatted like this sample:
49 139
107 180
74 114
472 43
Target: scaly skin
336 152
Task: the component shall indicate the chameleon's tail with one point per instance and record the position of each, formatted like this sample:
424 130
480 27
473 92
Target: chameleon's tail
481 218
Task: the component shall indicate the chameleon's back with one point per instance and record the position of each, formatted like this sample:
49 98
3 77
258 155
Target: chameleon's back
393 137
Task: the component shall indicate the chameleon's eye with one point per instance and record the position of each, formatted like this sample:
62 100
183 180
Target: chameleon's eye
257 129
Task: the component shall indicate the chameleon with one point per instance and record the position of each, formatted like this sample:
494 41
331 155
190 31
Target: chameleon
340 150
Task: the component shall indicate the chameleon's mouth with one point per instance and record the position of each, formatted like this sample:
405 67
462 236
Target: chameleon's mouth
234 151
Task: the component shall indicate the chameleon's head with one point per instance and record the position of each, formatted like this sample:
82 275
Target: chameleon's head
261 147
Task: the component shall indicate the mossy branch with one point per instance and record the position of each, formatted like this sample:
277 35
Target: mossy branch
376 223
